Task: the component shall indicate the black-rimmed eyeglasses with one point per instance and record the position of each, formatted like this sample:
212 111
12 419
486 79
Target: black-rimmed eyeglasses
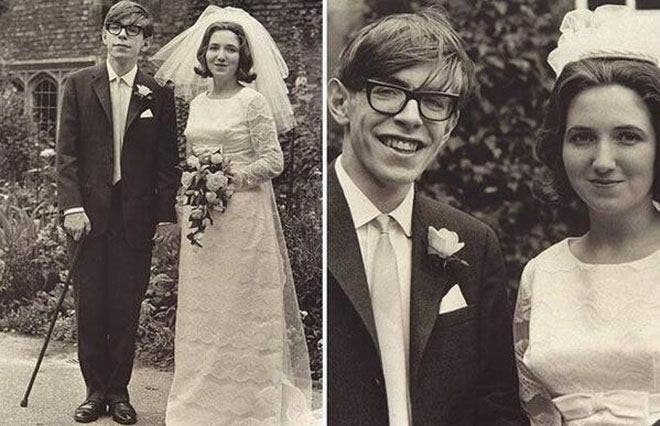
115 28
391 99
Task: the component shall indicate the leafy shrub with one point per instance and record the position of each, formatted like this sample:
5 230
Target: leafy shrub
34 317
19 244
20 141
25 320
155 337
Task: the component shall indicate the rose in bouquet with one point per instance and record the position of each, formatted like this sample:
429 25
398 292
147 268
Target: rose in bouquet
207 186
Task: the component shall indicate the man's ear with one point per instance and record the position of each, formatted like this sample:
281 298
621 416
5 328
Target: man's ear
338 101
147 42
451 125
453 121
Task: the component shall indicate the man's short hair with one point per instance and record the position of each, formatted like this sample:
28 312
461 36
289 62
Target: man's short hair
131 13
399 41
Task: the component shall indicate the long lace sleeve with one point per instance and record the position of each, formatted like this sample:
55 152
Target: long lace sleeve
535 398
263 137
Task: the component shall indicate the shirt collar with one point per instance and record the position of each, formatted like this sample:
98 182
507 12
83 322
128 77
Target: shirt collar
364 211
128 78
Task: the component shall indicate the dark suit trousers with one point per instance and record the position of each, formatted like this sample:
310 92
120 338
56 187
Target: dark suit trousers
110 283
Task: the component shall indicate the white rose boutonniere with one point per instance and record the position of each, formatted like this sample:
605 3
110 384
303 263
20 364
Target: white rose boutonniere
445 244
143 92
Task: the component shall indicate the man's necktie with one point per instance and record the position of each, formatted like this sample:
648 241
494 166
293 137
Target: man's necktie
117 128
386 302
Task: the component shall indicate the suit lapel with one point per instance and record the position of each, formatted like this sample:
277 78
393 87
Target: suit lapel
344 257
135 105
429 285
101 87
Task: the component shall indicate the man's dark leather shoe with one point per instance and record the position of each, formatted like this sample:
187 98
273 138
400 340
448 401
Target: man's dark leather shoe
89 411
123 413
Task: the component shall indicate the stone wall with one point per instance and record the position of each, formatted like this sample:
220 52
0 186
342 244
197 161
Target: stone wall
50 29
42 30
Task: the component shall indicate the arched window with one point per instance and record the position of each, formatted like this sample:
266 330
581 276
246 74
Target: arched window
44 106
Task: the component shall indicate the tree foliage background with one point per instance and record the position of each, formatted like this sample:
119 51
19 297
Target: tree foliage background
487 168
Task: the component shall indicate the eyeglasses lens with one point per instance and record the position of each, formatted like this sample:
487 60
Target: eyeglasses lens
131 30
390 100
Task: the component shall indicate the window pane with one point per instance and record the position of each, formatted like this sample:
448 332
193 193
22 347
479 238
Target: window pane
45 106
595 3
647 4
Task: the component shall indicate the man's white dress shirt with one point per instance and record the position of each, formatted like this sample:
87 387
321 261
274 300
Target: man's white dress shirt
121 89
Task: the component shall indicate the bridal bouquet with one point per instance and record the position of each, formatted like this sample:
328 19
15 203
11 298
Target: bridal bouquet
207 185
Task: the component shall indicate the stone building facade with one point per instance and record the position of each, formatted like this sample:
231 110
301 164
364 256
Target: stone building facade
41 41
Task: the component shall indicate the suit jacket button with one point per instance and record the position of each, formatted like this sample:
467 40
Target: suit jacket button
378 381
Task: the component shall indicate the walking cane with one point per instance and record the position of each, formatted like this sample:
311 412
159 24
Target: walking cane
74 262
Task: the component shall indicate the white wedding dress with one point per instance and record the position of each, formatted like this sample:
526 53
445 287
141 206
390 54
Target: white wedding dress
240 351
587 340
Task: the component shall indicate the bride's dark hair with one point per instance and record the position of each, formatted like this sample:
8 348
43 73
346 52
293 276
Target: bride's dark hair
640 76
245 63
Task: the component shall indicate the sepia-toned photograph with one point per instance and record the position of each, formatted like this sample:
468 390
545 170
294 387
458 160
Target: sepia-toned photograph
160 212
330 212
493 237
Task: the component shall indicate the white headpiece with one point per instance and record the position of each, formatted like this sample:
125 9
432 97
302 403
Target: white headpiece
609 31
178 58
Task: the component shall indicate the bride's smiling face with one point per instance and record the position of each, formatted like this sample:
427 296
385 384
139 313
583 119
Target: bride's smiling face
223 54
609 149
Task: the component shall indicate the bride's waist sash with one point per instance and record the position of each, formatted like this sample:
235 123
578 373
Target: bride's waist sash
632 407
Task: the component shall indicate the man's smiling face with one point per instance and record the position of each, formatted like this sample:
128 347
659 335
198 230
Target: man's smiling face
393 150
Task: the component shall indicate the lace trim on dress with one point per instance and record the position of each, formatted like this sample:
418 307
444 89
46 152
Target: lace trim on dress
263 137
238 408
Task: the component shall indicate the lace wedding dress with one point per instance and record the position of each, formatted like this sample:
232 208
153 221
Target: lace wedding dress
240 351
587 340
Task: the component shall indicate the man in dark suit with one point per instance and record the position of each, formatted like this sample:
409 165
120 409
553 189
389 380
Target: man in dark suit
117 182
419 329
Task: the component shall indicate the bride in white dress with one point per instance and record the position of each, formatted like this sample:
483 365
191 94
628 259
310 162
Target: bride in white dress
587 321
240 351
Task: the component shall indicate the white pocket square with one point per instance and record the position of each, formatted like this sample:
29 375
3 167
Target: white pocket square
452 301
146 114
